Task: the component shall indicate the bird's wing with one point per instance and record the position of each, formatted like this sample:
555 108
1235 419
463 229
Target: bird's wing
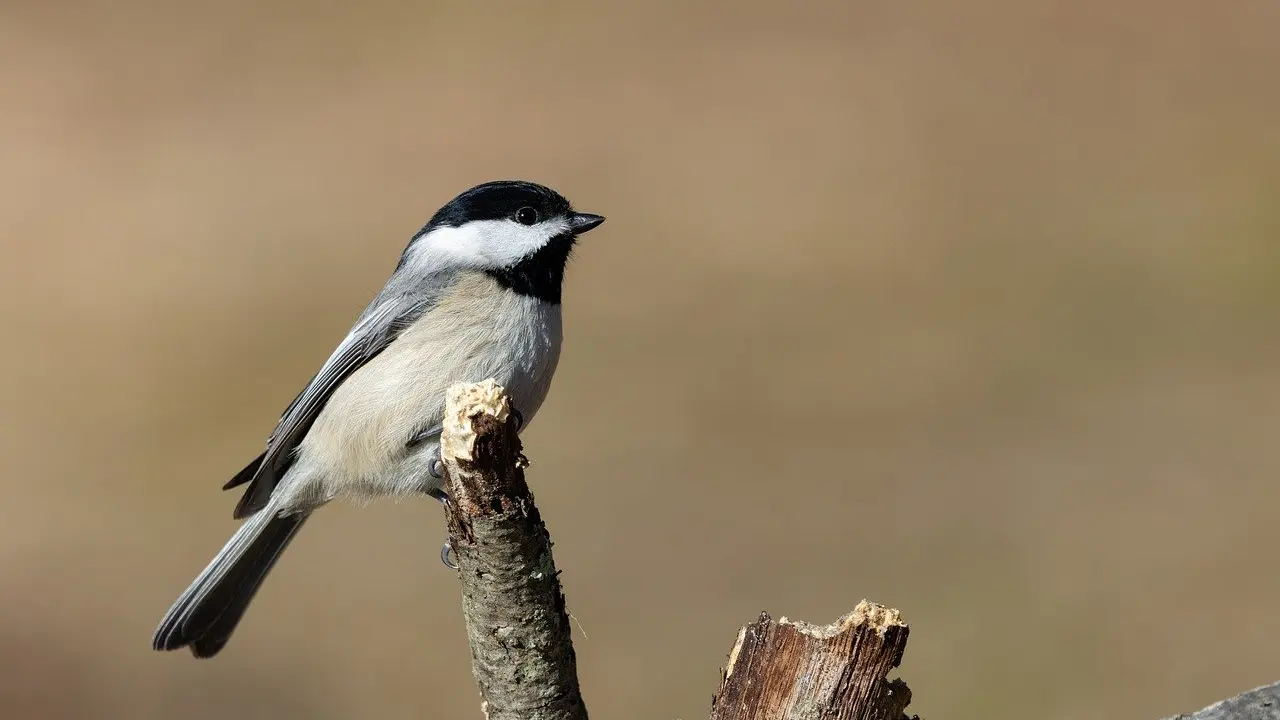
377 328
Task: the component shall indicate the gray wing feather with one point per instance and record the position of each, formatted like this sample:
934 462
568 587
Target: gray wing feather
378 326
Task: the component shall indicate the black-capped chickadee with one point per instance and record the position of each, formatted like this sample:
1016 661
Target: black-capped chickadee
476 295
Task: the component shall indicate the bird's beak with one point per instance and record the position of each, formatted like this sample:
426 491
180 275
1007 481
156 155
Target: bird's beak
583 222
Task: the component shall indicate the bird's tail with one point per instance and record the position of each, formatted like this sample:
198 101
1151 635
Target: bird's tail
206 614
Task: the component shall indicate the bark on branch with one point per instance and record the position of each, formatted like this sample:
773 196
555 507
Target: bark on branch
788 670
1262 703
521 653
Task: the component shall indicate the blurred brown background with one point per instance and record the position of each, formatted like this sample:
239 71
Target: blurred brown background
968 308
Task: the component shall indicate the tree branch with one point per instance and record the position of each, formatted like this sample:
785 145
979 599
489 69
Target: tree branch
521 652
1262 703
789 670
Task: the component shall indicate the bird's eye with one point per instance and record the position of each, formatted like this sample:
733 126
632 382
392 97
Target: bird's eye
526 216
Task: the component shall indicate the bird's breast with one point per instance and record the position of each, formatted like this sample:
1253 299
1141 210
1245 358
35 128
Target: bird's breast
478 330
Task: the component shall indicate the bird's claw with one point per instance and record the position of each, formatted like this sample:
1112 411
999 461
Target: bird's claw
443 498
445 551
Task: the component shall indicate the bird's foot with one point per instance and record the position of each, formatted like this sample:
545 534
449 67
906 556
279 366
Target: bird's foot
445 551
522 462
434 466
440 496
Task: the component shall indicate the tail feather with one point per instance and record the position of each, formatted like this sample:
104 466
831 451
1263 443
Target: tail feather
205 615
247 473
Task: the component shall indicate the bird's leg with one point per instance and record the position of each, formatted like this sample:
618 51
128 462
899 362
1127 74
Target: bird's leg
447 549
435 468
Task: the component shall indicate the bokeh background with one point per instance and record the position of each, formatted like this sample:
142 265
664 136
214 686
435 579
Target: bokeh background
967 308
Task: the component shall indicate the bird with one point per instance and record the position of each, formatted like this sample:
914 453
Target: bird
476 295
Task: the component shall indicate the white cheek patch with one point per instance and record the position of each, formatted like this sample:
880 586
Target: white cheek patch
482 244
